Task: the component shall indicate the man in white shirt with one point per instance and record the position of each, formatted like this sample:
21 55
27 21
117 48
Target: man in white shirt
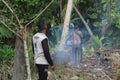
41 51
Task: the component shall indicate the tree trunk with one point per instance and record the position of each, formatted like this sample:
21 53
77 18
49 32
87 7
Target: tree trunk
60 11
19 59
27 57
104 29
66 24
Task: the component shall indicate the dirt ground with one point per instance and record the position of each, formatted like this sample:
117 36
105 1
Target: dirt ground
103 65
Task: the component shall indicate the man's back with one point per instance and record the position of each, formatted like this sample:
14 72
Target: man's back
38 50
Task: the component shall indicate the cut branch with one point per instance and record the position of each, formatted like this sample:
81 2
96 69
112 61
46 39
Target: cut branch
10 29
12 12
39 13
106 75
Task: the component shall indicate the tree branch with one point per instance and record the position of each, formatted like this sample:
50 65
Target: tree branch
106 75
12 13
39 13
10 29
10 20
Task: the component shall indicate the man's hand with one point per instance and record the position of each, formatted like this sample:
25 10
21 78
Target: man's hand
52 67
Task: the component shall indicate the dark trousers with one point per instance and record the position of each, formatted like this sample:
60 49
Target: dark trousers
42 71
77 54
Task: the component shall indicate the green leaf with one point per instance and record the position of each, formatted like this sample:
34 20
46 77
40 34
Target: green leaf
93 15
96 24
5 32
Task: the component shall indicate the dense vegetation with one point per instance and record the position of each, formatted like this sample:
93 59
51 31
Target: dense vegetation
102 16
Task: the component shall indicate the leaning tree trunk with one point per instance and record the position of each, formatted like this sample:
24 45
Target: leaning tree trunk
66 23
19 59
84 22
104 29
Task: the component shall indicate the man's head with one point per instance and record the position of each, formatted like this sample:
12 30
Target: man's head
42 25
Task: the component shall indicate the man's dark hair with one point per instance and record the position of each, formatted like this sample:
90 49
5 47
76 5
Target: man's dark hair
41 25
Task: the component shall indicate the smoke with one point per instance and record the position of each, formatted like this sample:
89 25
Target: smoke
70 54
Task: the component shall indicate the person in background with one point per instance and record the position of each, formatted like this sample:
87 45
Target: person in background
41 51
77 46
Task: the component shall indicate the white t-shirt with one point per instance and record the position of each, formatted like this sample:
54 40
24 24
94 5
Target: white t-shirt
38 50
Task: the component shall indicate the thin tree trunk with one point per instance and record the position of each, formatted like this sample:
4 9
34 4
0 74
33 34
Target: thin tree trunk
104 29
66 23
60 11
27 58
19 59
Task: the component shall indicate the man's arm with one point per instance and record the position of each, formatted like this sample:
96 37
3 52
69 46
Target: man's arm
46 51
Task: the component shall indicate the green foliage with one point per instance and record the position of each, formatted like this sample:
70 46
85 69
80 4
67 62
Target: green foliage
93 16
26 10
4 33
88 51
76 1
97 42
98 12
6 53
96 24
112 37
6 36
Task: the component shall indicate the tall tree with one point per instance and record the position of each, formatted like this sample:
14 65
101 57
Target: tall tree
21 44
66 23
19 59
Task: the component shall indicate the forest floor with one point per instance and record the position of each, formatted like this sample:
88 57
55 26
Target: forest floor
103 65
